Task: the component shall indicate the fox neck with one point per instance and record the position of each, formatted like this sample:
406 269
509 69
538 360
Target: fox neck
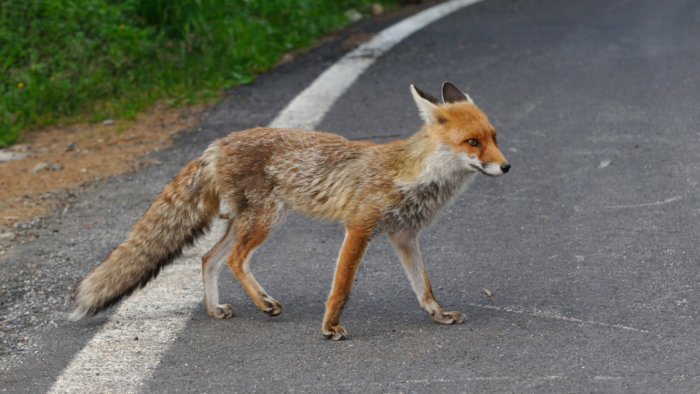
432 176
427 160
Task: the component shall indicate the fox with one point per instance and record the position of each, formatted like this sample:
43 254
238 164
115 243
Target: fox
256 177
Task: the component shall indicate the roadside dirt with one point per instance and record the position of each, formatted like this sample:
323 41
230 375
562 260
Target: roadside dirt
81 153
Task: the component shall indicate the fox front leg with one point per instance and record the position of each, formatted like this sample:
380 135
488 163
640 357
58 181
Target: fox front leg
350 255
406 244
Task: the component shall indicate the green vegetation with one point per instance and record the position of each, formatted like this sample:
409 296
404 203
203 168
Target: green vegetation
68 60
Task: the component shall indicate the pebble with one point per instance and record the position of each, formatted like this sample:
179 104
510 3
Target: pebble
21 226
43 166
7 156
70 146
353 15
108 122
376 9
287 57
20 147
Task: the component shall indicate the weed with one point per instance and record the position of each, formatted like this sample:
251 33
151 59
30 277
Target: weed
97 59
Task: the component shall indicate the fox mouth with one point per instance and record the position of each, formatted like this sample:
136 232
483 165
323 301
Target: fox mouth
480 170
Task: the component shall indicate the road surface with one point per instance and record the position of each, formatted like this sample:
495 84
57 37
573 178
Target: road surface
589 244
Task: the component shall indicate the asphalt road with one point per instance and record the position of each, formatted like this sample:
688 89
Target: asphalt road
589 244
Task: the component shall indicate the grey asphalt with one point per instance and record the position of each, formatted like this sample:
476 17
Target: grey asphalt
589 245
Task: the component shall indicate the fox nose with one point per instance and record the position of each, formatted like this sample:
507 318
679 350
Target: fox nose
505 167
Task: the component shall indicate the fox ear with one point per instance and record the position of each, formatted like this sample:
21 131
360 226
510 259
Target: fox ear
450 94
426 103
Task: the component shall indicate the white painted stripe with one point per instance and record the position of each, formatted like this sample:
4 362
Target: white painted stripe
307 109
114 361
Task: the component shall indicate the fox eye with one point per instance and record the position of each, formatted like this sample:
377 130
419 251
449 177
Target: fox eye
474 142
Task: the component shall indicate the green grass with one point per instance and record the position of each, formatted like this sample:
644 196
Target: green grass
70 60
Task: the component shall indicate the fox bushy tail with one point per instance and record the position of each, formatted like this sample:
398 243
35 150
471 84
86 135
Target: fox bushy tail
180 214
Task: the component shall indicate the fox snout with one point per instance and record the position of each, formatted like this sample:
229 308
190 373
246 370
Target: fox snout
493 169
492 162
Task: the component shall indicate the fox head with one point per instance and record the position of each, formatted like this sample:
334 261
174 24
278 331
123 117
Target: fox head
459 124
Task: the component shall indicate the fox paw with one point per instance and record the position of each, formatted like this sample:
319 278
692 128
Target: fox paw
223 311
335 333
448 317
272 307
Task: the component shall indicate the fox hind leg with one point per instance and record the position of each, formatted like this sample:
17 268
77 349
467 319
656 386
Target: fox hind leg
252 229
211 265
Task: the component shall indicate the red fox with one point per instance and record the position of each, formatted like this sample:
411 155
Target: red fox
259 175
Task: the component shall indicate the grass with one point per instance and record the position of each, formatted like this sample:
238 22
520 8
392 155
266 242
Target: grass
70 60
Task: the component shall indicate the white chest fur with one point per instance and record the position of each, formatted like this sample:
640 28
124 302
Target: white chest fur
444 175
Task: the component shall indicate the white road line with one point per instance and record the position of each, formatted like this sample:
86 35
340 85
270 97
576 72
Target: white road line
307 109
114 361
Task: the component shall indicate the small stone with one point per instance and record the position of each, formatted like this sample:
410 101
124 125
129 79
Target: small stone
7 156
108 122
376 9
57 167
43 166
99 177
70 146
20 147
286 58
353 15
